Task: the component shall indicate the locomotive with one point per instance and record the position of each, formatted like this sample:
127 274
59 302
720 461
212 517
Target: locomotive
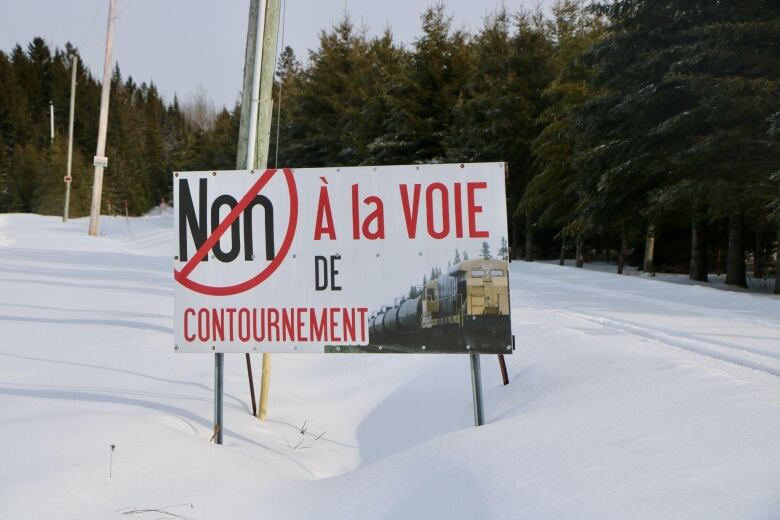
467 309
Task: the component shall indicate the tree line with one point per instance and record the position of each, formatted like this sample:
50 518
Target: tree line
147 137
644 132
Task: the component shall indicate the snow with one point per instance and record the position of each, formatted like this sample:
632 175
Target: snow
629 398
716 281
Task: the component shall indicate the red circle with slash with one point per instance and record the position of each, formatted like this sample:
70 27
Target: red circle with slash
183 276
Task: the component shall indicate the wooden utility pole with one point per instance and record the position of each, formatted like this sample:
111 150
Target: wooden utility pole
74 65
100 161
255 126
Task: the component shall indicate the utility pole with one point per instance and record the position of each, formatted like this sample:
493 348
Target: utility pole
100 161
74 65
241 156
255 127
51 120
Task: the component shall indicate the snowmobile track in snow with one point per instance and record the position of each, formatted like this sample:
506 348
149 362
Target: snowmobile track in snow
752 358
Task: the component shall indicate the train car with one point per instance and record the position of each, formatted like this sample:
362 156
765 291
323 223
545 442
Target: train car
378 323
409 314
390 320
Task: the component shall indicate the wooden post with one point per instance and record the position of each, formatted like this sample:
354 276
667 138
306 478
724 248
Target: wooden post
504 374
265 111
265 383
74 66
649 263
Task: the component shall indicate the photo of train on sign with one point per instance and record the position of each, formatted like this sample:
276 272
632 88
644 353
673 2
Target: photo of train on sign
464 309
389 259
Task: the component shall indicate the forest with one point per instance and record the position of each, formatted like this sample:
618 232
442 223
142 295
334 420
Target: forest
639 132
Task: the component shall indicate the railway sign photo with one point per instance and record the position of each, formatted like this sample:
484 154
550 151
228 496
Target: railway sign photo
364 259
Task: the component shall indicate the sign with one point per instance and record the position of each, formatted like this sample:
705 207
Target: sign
366 259
100 161
67 178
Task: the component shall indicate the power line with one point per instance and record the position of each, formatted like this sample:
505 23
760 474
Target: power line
93 24
97 40
126 8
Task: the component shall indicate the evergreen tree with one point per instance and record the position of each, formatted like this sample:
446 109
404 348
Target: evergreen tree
684 89
512 69
325 110
486 251
422 97
552 193
503 251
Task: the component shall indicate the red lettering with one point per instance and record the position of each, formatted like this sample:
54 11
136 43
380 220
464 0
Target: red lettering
323 211
410 213
348 332
333 324
273 324
218 324
445 210
378 216
317 331
355 213
187 312
362 311
473 209
230 313
243 324
261 328
300 323
458 212
288 324
203 316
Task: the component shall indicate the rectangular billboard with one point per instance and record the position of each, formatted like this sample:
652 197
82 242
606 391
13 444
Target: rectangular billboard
365 259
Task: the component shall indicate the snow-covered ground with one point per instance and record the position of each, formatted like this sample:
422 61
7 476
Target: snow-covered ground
630 398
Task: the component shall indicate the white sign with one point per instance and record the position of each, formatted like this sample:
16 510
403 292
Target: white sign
100 161
367 259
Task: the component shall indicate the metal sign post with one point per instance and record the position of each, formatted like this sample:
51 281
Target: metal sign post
476 390
219 383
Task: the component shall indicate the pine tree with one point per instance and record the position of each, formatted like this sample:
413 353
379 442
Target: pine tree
503 251
424 93
326 104
486 251
512 69
552 193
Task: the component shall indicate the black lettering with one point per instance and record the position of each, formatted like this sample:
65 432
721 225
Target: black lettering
320 284
249 249
333 273
197 224
235 229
